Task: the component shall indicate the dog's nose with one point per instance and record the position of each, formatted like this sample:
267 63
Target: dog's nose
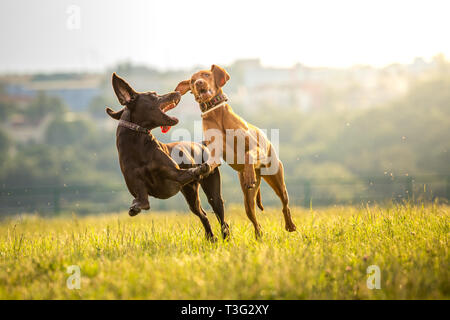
200 83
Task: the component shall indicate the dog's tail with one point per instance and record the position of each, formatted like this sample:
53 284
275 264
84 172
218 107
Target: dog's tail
258 200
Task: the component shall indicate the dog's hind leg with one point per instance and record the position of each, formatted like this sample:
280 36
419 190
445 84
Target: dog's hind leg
190 192
250 202
212 186
276 181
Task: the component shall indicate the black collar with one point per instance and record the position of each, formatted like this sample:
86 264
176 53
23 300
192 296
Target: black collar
216 100
133 126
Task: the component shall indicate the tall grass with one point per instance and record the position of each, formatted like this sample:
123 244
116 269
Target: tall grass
165 255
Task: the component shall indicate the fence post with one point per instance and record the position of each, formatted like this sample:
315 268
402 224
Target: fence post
307 190
409 188
56 201
448 188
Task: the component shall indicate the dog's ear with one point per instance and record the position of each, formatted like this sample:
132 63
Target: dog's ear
123 90
220 75
115 114
183 87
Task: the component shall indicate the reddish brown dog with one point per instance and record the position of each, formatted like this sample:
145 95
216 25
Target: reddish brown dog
255 159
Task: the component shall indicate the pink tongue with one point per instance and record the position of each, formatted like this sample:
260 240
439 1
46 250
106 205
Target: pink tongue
165 129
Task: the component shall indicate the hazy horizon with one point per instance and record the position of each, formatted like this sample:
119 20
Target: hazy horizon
37 36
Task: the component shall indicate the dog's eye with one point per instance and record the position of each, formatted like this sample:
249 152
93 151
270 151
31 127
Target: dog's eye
206 75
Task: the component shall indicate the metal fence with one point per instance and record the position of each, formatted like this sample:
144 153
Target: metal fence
370 189
317 192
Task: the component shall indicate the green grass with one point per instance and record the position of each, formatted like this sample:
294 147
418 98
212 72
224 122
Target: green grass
165 255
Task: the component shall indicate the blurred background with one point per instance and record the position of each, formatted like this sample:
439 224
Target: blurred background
359 90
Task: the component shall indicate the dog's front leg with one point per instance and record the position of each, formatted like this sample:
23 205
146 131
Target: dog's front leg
249 174
137 205
140 202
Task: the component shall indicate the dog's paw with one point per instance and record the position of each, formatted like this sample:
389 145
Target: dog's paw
134 210
258 234
200 171
211 238
204 169
225 232
290 227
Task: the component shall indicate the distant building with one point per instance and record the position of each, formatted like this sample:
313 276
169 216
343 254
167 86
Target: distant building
77 91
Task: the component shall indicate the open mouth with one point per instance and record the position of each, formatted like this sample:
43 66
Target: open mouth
166 106
203 95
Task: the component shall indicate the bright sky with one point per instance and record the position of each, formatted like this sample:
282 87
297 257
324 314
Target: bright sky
177 34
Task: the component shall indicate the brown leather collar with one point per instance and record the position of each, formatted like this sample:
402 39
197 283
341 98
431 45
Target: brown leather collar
133 126
216 100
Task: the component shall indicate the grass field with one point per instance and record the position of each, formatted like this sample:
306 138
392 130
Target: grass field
165 255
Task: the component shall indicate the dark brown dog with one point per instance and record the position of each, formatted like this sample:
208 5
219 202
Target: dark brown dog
206 86
147 164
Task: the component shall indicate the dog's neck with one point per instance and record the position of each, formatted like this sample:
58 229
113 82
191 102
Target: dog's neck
133 126
126 122
130 129
216 101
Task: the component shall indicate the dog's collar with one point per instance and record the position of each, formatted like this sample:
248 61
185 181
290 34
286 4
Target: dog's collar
213 108
133 126
215 101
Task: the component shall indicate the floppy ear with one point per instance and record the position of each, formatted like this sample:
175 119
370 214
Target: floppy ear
115 114
220 75
123 91
183 87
